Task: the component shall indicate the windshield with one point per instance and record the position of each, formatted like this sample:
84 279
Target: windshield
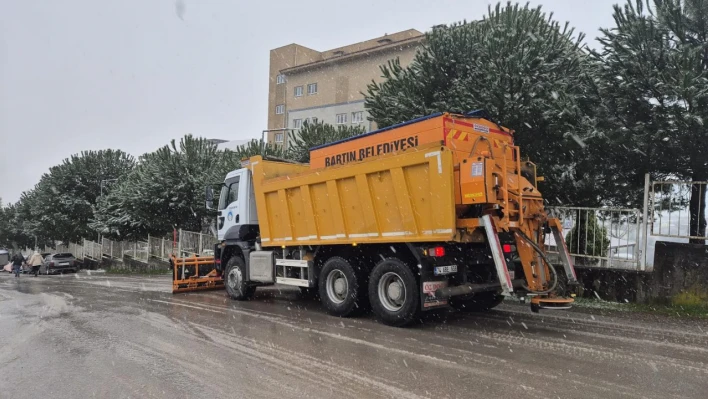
229 193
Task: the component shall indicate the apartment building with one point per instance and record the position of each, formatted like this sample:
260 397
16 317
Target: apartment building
327 86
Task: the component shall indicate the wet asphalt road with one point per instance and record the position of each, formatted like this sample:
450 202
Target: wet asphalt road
79 336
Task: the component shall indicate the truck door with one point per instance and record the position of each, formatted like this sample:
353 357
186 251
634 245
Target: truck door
236 208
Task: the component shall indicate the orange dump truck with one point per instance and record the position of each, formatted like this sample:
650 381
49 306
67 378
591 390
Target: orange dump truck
435 212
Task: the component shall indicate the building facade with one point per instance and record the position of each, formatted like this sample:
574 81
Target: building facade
328 86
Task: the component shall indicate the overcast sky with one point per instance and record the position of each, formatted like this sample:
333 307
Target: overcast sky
132 74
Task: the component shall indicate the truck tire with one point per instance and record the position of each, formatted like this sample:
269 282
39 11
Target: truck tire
341 287
236 285
480 302
394 293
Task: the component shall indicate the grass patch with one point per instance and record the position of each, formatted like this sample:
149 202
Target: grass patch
158 272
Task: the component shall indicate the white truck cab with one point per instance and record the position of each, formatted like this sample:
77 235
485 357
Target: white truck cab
237 218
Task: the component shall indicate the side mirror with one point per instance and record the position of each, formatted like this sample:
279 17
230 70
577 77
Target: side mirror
209 197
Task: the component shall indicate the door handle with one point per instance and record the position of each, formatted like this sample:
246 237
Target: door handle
237 217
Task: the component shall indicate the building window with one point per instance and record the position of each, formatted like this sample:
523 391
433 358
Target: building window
341 119
298 91
279 109
314 120
312 88
297 123
280 79
279 137
357 117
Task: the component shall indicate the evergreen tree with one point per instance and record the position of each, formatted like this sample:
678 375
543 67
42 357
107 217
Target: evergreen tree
527 70
588 237
165 191
62 203
314 134
255 147
653 83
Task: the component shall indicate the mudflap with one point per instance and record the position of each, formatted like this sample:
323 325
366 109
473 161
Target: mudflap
429 283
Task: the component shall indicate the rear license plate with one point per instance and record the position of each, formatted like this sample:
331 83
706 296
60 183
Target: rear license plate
63 263
440 270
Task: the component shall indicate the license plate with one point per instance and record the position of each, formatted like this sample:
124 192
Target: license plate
440 270
63 263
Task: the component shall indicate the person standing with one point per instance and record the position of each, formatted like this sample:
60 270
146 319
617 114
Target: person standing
17 262
35 262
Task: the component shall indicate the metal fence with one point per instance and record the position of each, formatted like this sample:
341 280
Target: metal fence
186 243
161 248
195 244
678 209
600 237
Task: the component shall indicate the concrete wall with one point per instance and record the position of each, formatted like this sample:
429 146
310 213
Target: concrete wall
678 269
132 265
680 276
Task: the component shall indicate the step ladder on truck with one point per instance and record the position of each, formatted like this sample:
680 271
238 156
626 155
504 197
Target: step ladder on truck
435 212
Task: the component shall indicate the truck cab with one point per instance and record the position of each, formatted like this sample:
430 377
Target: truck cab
237 219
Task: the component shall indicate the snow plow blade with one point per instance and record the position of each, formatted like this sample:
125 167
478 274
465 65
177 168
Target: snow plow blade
195 274
538 303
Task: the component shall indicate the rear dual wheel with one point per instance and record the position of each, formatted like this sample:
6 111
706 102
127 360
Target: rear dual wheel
342 288
394 293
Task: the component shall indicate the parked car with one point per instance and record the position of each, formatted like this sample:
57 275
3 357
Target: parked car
61 262
5 260
27 268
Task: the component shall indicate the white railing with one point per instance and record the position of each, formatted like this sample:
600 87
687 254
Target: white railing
600 237
188 243
671 213
195 244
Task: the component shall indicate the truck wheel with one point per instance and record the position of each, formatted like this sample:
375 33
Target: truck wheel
342 291
394 293
481 302
236 284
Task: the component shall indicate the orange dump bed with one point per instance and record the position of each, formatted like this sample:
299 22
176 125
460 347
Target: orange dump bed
458 132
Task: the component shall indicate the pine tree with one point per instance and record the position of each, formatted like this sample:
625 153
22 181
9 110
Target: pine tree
256 147
314 134
62 203
653 83
588 237
165 191
527 70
